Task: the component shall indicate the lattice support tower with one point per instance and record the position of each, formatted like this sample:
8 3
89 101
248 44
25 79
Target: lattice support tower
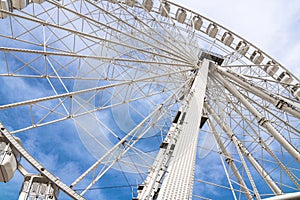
172 174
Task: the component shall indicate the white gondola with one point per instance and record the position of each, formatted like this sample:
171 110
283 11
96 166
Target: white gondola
212 30
8 160
37 1
148 5
7 6
20 4
271 68
242 47
164 9
113 1
38 187
180 15
256 57
130 3
296 90
284 77
227 39
197 23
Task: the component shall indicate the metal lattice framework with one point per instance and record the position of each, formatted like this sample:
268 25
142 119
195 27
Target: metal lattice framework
128 83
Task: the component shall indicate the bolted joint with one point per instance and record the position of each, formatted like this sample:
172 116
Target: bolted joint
280 104
262 121
229 160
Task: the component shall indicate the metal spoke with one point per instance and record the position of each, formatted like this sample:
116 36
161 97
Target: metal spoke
151 97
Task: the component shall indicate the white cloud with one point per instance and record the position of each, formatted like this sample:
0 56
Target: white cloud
271 25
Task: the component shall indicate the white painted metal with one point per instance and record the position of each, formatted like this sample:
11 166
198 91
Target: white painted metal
284 77
178 183
37 1
261 119
229 160
265 146
8 159
164 9
196 23
228 178
148 4
242 47
155 43
22 170
5 5
14 143
49 53
180 15
151 186
296 90
113 1
243 150
271 68
274 99
212 30
38 187
20 4
115 148
170 54
288 196
227 38
131 2
256 57
8 162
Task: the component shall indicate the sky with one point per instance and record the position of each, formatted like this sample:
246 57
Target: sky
272 25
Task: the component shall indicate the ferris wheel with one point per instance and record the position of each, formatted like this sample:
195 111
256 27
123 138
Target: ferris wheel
140 99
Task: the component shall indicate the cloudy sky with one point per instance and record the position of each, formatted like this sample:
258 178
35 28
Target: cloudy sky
272 25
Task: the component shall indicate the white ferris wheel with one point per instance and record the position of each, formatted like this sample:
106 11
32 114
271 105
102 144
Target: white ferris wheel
140 99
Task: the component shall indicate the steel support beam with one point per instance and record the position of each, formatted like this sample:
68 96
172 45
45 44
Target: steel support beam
178 183
229 160
124 140
38 166
260 118
289 196
241 148
172 174
279 102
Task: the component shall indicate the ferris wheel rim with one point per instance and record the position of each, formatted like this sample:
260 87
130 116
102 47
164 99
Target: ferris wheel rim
189 64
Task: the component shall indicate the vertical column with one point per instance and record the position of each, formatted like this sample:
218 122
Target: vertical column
178 181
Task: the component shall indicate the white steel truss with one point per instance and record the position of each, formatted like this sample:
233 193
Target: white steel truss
172 174
83 63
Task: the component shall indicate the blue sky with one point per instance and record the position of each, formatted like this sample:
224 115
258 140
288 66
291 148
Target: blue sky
274 26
